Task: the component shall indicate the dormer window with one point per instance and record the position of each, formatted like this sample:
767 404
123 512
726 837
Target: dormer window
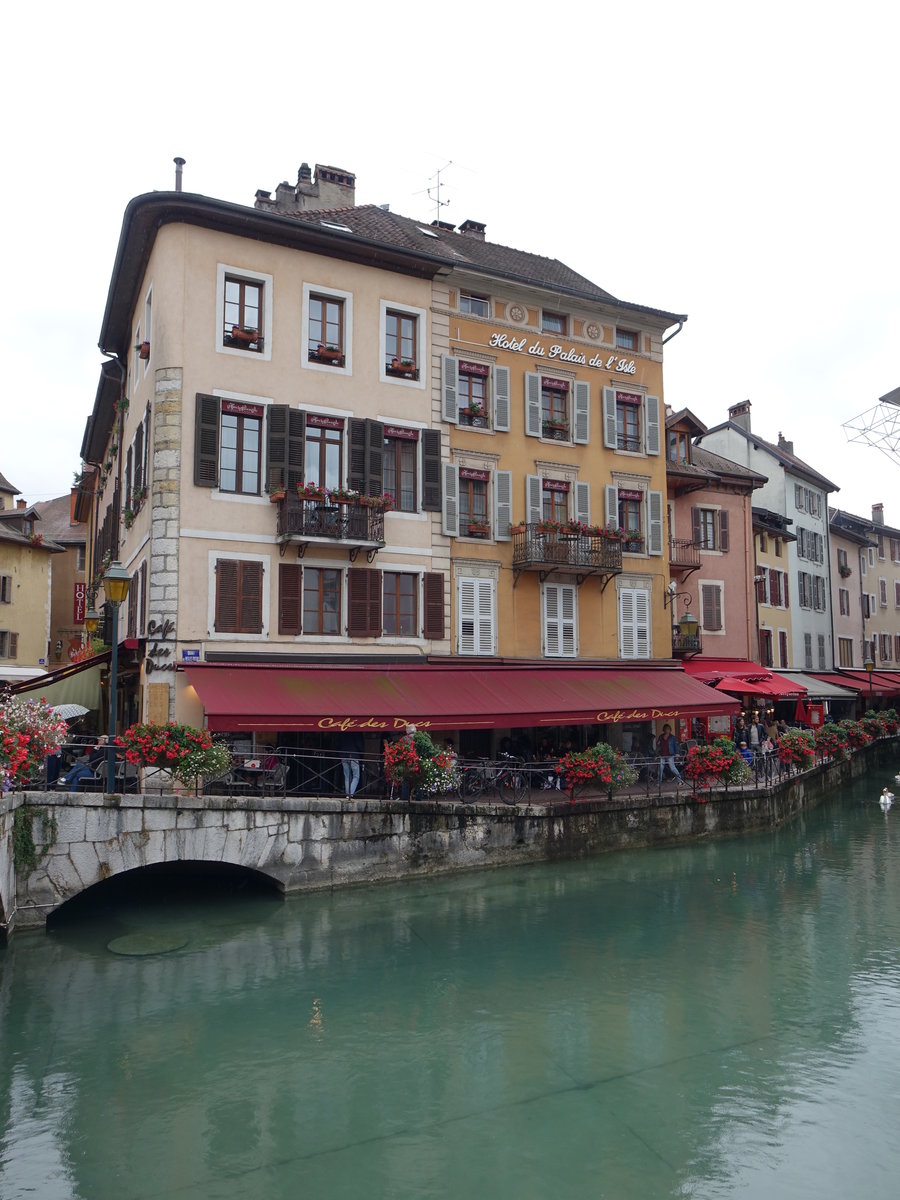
679 447
552 322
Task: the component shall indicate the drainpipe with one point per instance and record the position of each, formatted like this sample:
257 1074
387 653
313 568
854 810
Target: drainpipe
674 334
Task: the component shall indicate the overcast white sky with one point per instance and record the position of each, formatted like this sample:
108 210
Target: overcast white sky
739 165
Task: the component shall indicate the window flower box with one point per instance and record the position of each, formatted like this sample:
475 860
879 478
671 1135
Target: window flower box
341 495
277 495
243 337
327 354
634 542
845 571
404 367
473 415
144 351
556 431
381 503
310 491
479 529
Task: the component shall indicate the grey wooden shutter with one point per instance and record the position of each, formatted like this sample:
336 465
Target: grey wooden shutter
501 399
374 458
451 499
433 588
609 418
206 441
582 413
502 504
534 499
696 528
356 454
431 470
653 439
532 404
583 501
723 529
612 506
449 388
654 522
290 598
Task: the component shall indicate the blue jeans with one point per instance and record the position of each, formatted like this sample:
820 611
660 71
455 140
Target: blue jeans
668 761
351 775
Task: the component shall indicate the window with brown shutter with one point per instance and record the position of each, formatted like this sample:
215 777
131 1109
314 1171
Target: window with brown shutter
434 605
363 602
431 470
400 608
206 441
290 598
723 530
711 600
238 596
285 431
365 441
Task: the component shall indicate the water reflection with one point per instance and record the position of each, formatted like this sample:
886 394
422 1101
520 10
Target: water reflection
699 1021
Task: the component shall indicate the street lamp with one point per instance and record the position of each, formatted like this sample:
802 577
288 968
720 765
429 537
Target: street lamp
869 664
91 622
115 585
688 626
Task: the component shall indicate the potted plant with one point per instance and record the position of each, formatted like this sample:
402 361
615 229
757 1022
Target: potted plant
557 431
382 503
342 495
277 493
479 529
244 336
845 571
475 414
403 366
634 540
328 353
519 527
144 351
128 516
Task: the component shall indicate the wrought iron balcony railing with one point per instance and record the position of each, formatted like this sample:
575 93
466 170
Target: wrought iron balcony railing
535 550
683 553
683 643
355 524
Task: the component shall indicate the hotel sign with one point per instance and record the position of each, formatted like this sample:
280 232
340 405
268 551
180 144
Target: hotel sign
558 353
79 603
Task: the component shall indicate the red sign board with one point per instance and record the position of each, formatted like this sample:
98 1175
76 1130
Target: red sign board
79 603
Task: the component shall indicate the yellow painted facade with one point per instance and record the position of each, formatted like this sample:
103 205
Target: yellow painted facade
25 615
773 601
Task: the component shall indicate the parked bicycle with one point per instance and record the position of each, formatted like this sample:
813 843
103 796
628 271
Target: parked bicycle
508 778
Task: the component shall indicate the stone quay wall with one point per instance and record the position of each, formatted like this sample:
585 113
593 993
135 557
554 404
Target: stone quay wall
304 844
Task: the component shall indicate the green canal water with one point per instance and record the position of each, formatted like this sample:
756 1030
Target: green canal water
713 1020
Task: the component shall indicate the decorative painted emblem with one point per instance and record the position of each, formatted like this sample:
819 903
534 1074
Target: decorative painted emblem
516 313
593 331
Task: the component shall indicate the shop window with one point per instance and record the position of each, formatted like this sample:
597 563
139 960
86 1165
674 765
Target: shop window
239 596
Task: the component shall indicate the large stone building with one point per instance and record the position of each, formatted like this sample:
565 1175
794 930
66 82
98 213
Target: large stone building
509 409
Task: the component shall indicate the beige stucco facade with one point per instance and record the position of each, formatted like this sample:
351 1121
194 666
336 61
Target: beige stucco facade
25 576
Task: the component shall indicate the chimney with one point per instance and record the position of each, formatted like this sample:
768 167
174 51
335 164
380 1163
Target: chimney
740 414
20 505
179 163
877 514
331 187
473 229
784 444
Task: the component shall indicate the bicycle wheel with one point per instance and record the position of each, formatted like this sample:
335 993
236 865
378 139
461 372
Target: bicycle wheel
520 786
472 784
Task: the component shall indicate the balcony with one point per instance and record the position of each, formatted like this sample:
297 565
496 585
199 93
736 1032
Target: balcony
684 555
357 526
547 552
684 645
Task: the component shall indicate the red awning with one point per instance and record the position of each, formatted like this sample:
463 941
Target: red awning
883 684
757 680
240 697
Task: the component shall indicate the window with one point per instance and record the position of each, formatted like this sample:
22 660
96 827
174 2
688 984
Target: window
678 447
871 556
810 545
227 442
242 323
844 602
886 647
806 500
766 655
477 306
472 394
80 557
895 549
474 517
881 545
9 644
148 328
778 547
475 616
401 343
777 587
555 409
401 450
821 644
845 652
634 623
897 647
323 455
477 394
882 592
804 582
631 422
843 565
399 604
782 648
629 515
626 339
807 651
239 596
862 563
552 322
711 607
635 512
6 583
897 593
710 528
325 330
554 500
763 543
560 610
239 451
321 601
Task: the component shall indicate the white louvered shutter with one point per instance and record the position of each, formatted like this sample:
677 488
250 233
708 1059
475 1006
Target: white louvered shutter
568 611
485 615
609 418
476 616
582 412
551 620
533 499
449 388
466 615
502 504
451 499
653 440
627 636
655 522
642 622
532 404
612 506
501 399
560 606
583 501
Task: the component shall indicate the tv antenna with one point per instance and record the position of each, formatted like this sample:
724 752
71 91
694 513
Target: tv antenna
434 193
879 426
